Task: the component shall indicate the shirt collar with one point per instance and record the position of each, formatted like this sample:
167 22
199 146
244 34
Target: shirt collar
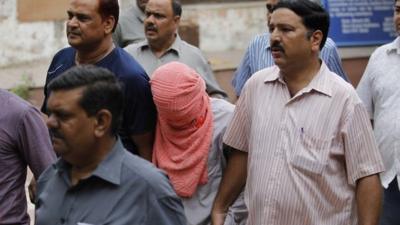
109 169
319 83
176 46
394 47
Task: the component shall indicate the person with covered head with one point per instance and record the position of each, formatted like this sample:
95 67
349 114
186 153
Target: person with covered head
188 141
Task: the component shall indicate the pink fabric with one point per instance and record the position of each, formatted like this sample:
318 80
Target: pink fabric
184 126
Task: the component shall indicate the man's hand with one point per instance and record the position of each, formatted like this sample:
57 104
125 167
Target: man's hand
369 200
32 190
217 218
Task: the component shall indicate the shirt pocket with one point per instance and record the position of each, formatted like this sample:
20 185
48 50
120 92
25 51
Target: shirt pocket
310 153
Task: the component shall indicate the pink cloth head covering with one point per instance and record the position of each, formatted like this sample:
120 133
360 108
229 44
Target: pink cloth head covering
184 126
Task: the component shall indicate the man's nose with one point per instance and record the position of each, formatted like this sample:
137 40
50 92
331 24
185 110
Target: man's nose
72 22
51 122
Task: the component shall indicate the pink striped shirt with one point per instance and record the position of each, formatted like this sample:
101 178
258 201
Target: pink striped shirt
305 152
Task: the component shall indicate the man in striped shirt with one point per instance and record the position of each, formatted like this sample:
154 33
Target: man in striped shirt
258 56
302 140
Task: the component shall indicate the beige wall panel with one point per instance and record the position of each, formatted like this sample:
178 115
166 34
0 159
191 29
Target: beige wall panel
41 10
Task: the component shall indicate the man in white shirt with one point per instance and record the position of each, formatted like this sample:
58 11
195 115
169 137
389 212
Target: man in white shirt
380 93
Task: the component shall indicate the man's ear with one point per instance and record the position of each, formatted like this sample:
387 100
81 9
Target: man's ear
108 24
177 20
103 120
316 39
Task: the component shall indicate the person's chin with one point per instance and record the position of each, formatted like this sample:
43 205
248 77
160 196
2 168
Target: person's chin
73 41
58 145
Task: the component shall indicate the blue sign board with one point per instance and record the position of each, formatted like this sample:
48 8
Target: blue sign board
361 22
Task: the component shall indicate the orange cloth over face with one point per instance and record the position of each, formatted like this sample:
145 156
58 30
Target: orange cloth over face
184 126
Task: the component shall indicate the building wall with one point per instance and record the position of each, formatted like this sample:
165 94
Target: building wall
26 41
35 29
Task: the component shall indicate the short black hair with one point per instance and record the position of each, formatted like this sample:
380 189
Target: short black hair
313 15
176 7
101 91
109 8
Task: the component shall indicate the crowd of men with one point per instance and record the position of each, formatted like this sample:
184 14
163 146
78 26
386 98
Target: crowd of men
139 131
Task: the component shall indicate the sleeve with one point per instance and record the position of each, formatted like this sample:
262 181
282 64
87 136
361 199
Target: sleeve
361 152
332 59
48 79
238 131
34 142
364 89
242 74
140 112
166 211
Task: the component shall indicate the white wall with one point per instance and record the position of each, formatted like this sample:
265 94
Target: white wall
24 42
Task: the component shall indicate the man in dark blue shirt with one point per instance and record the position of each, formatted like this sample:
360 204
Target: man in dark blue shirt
89 31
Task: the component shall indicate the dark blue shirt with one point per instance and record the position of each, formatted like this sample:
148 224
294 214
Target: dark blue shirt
123 190
139 111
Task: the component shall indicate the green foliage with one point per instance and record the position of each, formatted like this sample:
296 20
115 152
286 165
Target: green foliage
22 89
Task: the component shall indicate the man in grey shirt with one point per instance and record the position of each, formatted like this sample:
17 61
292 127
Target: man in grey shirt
163 44
24 141
97 181
130 28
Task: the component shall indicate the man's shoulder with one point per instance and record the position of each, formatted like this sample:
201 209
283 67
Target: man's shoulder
330 44
134 48
125 67
188 48
341 88
260 38
127 15
67 53
259 42
143 174
221 106
62 60
15 106
382 51
261 75
47 174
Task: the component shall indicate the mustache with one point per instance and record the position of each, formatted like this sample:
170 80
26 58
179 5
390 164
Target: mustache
151 27
276 46
73 31
55 134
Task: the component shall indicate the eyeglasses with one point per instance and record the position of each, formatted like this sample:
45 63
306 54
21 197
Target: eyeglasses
270 7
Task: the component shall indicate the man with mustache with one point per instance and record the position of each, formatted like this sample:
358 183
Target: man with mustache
96 180
130 28
24 141
258 56
380 93
89 31
163 44
302 142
